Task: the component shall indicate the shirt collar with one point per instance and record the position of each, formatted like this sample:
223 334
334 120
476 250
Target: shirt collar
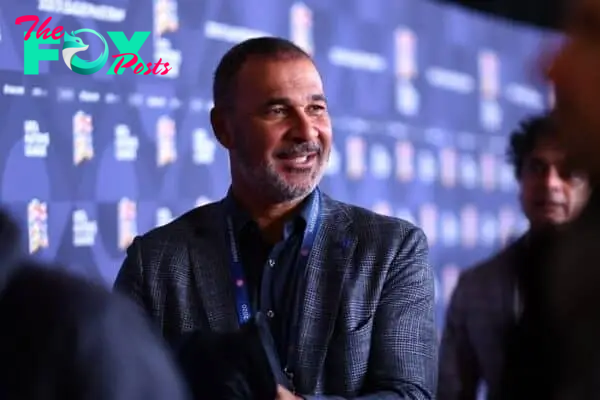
242 219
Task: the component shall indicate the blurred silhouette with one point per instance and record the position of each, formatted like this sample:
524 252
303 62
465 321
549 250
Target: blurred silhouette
573 260
65 338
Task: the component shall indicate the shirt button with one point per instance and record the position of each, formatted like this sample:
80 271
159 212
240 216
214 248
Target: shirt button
271 263
270 314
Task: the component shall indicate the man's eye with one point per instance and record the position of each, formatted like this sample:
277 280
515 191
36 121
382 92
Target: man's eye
316 109
277 111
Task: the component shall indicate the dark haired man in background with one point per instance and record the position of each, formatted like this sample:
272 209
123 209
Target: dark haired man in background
479 340
348 293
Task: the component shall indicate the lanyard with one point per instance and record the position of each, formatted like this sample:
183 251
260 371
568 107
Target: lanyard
242 299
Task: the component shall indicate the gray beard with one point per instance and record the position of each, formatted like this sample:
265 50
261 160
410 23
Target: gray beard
265 179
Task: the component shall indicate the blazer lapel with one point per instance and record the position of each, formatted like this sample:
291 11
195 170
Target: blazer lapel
208 256
325 276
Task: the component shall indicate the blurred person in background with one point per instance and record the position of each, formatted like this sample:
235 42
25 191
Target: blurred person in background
479 342
65 338
574 285
348 293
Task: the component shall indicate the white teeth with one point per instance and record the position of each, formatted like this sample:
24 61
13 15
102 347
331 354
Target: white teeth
301 160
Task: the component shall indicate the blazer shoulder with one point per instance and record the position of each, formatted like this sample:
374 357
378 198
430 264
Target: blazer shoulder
491 270
364 219
383 234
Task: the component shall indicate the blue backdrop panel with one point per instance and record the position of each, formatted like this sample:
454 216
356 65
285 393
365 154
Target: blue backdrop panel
422 98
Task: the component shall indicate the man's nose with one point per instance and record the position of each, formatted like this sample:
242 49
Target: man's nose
553 180
304 129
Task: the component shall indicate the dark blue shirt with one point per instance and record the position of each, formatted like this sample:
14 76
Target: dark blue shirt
272 273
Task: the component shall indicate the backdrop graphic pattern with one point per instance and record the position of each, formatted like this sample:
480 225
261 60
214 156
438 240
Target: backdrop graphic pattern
422 98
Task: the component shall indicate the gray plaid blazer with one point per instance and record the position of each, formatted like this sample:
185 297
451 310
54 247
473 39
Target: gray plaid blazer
367 321
483 308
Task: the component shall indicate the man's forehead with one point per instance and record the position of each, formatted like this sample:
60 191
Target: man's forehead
280 78
548 148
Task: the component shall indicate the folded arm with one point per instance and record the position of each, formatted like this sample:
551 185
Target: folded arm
403 359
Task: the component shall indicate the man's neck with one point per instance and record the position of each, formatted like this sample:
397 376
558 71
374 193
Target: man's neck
270 217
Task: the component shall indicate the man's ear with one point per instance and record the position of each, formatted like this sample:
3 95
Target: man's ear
221 128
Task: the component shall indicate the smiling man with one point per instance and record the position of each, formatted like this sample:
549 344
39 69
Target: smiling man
348 293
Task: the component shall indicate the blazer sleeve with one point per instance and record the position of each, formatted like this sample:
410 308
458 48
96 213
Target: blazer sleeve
403 360
458 371
130 279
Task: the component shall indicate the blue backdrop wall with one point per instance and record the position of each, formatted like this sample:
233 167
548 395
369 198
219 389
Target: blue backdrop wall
422 98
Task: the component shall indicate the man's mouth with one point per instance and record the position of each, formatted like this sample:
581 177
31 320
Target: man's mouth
549 205
299 160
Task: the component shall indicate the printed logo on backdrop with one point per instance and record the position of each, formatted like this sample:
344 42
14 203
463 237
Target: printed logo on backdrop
489 230
488 171
428 218
83 141
127 222
427 166
405 153
163 216
450 229
490 112
72 44
166 146
204 147
334 164
126 144
355 157
468 171
380 161
301 27
35 142
405 56
37 226
84 229
469 222
448 167
450 276
166 21
507 179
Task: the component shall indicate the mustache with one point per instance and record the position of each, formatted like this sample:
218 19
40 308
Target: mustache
300 149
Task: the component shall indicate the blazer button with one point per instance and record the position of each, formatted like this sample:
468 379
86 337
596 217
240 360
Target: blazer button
270 314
